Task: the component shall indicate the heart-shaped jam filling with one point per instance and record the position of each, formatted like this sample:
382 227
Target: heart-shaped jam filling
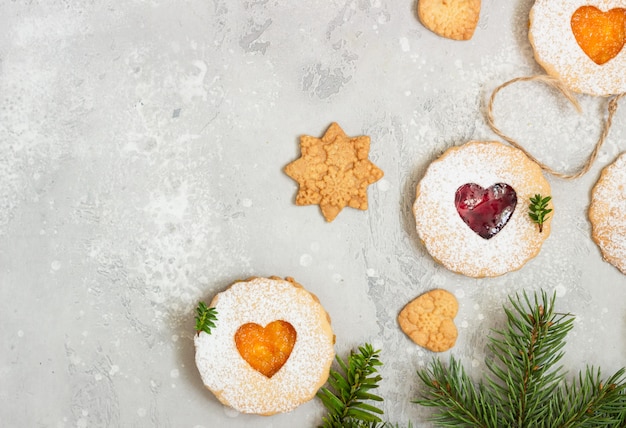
485 211
601 35
267 348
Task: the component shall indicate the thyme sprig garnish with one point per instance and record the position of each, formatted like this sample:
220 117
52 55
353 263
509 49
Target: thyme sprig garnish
351 388
539 210
205 318
524 386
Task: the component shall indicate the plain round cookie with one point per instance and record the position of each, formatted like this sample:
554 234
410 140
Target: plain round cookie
607 213
557 51
264 300
445 235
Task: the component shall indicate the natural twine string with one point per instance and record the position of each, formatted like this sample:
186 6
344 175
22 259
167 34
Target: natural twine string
560 86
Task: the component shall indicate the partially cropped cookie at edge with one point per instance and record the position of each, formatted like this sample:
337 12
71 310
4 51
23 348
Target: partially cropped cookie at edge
607 213
581 42
452 19
334 171
471 209
271 348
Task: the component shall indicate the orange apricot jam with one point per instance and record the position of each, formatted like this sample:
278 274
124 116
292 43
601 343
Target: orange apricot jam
267 348
600 35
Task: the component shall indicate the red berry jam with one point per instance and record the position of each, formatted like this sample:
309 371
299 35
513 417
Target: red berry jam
485 211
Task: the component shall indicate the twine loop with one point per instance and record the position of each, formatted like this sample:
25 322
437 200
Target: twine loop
567 93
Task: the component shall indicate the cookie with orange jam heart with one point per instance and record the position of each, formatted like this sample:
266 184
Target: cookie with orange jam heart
471 209
581 42
271 349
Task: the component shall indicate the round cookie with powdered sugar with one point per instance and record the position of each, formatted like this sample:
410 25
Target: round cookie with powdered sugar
607 213
472 205
271 349
581 42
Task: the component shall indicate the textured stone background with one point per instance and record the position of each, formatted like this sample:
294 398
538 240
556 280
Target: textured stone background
141 153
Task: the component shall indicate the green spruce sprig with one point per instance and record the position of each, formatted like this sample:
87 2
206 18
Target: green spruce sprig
539 210
460 402
205 318
351 387
524 386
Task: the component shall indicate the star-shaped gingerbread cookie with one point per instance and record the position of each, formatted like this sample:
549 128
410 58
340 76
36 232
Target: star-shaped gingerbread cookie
333 171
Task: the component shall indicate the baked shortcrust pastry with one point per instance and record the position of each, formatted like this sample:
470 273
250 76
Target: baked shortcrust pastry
581 42
607 213
271 349
471 209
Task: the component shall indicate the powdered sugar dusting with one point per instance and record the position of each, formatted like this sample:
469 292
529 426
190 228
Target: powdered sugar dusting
607 213
262 301
558 52
449 240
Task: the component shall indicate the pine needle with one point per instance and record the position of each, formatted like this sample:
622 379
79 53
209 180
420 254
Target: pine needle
525 386
347 399
205 318
449 387
538 210
591 402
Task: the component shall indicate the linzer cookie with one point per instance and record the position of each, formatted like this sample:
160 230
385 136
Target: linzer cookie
472 209
581 42
271 348
607 213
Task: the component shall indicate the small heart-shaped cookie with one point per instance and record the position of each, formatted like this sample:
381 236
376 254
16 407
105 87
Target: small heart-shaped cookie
453 19
485 211
601 35
429 320
267 348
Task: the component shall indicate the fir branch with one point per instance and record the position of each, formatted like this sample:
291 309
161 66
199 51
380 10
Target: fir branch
522 369
351 386
591 402
465 404
205 318
525 386
539 210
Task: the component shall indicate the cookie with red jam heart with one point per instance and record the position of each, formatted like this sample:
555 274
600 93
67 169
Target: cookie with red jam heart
471 209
